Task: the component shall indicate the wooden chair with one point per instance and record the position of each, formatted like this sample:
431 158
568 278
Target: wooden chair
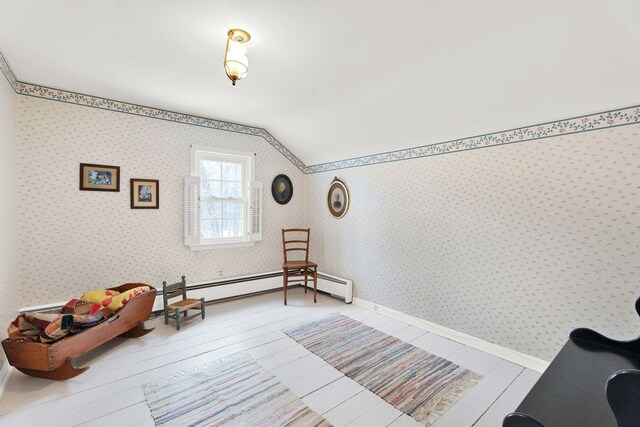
172 291
298 268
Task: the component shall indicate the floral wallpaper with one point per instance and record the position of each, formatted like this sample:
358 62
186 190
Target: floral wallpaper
75 240
517 245
9 215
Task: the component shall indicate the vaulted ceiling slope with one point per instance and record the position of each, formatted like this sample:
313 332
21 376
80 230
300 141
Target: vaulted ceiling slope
339 79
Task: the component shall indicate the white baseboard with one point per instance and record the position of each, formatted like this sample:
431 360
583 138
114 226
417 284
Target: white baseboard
5 372
505 353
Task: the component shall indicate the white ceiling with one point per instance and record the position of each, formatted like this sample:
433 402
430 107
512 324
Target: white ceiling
337 79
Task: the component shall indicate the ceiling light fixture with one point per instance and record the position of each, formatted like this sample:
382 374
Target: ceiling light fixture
236 63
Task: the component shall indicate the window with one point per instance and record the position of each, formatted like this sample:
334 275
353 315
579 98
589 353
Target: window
222 203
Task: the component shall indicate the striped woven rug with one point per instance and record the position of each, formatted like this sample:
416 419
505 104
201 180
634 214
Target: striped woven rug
414 381
234 390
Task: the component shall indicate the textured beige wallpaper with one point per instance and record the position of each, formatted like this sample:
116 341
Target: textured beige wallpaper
516 244
77 240
9 241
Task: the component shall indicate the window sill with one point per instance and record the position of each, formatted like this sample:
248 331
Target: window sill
227 245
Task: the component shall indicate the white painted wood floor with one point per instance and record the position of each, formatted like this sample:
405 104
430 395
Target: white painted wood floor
109 393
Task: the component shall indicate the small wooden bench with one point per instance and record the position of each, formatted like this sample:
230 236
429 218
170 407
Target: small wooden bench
56 361
593 381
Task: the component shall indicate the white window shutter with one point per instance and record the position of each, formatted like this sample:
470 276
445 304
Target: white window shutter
255 212
191 210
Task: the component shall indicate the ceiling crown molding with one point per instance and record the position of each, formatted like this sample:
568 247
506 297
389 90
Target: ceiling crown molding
585 123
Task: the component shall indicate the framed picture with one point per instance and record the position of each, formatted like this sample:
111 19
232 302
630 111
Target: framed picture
145 193
282 189
99 177
338 199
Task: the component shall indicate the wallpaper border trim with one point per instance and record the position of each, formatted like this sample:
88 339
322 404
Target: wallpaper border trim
8 73
502 352
584 123
75 98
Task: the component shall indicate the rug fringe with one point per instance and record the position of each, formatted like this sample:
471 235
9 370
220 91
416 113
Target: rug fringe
452 397
327 337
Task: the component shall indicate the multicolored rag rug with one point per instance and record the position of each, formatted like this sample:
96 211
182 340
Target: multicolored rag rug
234 390
414 381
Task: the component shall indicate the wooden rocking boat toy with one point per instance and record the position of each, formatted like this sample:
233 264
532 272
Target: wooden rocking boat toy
55 361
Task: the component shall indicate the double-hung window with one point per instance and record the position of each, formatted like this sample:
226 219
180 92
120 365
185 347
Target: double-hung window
222 202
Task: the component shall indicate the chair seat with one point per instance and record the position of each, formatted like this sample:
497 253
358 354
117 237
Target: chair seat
185 304
299 264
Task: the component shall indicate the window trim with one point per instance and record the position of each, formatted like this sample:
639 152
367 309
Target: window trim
197 152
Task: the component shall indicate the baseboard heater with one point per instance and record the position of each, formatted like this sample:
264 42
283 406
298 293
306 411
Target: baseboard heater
245 285
237 286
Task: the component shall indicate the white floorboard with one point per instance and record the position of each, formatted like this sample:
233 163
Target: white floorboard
381 414
473 404
405 421
110 394
332 395
509 400
353 408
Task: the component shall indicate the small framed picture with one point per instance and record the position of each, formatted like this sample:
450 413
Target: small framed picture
99 177
145 193
338 199
282 189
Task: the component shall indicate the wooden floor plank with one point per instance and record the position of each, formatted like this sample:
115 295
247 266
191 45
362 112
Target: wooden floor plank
391 326
136 415
475 360
408 334
280 358
352 408
376 320
406 421
382 414
332 395
436 344
509 400
110 392
474 403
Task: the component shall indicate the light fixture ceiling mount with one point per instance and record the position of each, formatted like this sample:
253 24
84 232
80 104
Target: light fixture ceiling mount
236 63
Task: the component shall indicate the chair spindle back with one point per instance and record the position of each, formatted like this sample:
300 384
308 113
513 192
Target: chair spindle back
292 244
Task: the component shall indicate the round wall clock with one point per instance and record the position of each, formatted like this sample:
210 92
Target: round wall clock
282 189
338 198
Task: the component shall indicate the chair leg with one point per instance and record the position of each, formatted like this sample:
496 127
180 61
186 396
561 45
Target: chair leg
285 279
305 283
166 316
202 307
185 313
315 284
177 318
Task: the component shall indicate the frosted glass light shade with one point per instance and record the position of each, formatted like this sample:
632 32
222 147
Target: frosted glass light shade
236 63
